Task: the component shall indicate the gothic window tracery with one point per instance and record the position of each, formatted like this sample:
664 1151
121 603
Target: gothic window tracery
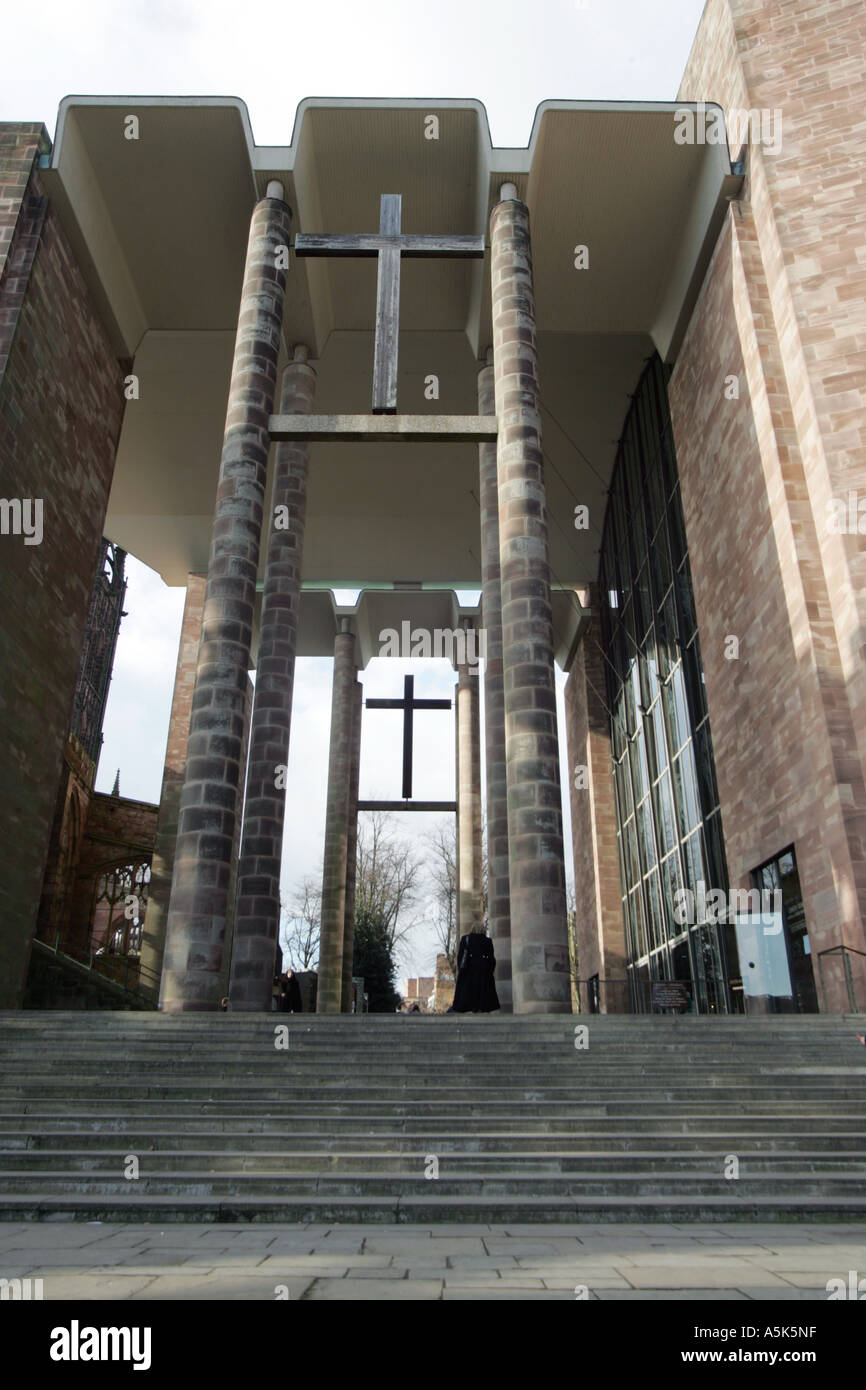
119 906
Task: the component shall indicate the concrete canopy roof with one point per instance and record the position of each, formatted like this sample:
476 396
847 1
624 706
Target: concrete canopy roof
160 226
425 611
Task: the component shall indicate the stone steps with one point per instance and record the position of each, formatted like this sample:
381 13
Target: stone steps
204 1163
340 1125
288 1185
608 1147
430 1210
335 1100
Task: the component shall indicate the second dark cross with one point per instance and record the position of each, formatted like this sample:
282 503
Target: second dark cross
408 705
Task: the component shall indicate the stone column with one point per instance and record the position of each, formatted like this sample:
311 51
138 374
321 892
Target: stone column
539 929
330 994
257 922
470 902
153 935
498 902
352 848
195 935
600 930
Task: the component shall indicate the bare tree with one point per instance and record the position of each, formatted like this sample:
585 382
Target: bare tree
443 873
387 876
299 936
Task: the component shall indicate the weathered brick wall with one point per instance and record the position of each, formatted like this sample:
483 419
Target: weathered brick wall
118 825
779 310
597 885
22 212
19 145
61 407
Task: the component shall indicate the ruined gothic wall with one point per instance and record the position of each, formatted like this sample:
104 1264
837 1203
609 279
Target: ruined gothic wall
61 407
74 794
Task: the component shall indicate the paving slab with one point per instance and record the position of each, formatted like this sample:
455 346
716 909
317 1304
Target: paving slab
445 1245
84 1284
785 1294
314 1266
695 1277
668 1295
482 1261
799 1258
458 1278
808 1278
521 1249
224 1287
50 1237
374 1290
495 1293
510 1280
103 1260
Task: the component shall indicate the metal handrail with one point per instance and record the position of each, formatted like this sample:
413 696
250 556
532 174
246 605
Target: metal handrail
90 960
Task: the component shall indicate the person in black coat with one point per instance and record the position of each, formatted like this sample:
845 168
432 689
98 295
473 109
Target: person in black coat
290 994
475 991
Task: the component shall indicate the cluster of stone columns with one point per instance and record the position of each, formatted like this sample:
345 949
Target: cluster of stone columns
199 907
258 886
526 892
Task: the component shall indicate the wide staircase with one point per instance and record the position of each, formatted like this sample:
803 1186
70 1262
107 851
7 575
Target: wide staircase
425 1119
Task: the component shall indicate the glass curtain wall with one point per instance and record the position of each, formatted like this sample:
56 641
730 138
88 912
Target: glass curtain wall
668 818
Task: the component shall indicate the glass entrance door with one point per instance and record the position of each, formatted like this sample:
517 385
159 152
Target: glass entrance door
780 876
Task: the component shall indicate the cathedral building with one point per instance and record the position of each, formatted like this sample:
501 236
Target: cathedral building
613 380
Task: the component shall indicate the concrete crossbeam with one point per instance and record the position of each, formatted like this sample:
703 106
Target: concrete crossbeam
421 429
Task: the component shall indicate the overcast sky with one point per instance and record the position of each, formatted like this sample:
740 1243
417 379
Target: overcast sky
509 54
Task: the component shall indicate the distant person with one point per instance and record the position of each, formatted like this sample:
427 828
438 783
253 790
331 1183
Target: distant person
475 991
290 994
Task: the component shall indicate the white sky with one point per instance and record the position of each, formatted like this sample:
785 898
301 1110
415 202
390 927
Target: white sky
509 54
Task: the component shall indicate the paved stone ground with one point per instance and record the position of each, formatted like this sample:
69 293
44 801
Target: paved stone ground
90 1260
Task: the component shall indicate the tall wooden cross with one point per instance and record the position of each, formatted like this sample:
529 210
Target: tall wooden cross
389 245
408 705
